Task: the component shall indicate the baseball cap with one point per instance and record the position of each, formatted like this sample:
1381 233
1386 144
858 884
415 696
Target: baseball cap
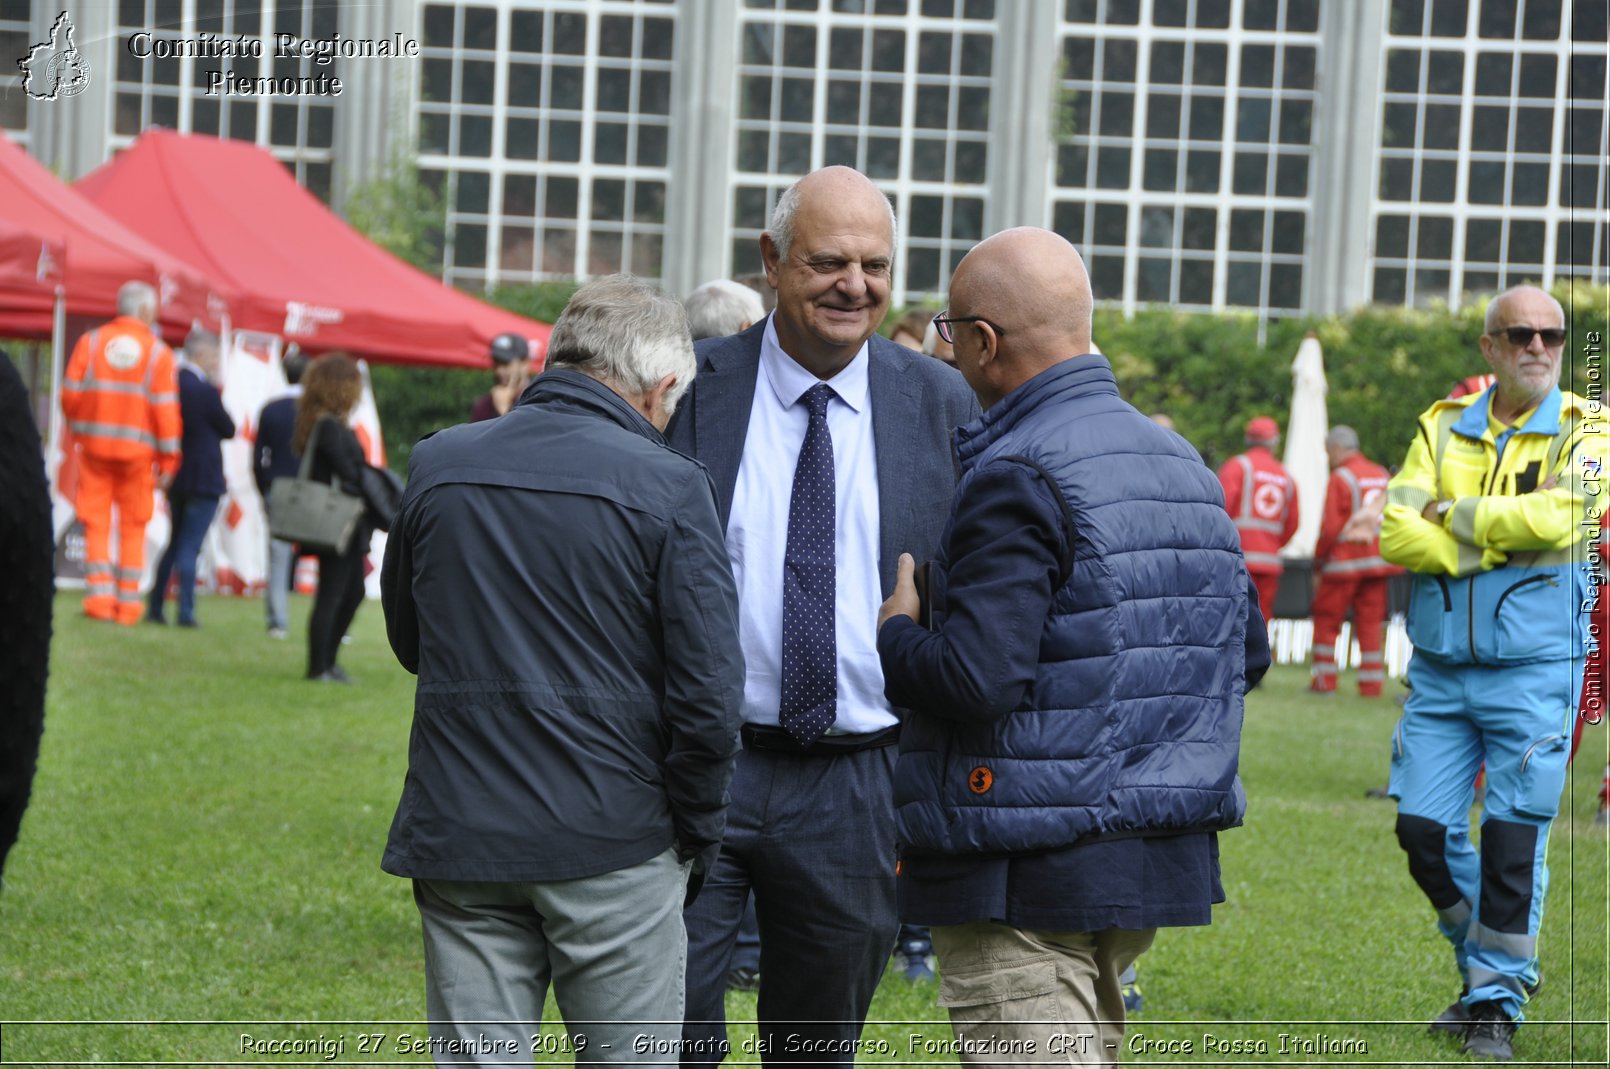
507 348
1262 429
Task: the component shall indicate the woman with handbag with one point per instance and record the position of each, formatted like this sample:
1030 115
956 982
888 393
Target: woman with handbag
330 391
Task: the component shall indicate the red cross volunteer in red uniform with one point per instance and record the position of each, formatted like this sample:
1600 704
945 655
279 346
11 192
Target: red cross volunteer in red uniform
1262 499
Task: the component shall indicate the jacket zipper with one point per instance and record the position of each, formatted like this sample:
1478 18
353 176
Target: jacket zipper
1549 579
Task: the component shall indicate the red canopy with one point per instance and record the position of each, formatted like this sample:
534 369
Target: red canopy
101 255
31 266
293 268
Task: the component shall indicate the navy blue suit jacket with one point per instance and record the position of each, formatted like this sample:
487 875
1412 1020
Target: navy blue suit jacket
917 402
206 425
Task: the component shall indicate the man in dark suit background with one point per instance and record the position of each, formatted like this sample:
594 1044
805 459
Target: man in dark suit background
830 451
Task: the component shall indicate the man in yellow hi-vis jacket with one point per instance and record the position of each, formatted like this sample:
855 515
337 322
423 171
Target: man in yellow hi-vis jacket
1494 511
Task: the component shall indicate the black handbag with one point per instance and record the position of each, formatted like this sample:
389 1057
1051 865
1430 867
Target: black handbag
320 517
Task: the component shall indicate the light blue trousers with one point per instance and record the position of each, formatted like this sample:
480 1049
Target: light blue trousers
1516 720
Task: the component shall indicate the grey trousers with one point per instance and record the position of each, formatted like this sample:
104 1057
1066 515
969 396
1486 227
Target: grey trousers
613 946
1018 996
276 596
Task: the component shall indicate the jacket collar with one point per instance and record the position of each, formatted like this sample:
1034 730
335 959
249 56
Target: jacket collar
564 386
1545 418
1083 375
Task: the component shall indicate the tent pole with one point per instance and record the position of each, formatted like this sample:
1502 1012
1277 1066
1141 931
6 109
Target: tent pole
58 364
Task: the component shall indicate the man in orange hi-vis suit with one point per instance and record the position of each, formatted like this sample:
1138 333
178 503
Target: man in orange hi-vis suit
1348 559
1262 499
121 399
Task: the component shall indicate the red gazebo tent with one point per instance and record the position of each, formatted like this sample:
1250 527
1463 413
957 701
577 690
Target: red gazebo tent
101 255
291 266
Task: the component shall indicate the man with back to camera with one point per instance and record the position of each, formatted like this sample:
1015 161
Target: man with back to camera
121 399
274 457
573 624
1077 696
1262 497
1491 515
511 369
1348 560
829 449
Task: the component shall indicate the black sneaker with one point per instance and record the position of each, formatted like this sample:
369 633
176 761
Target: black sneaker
1452 1020
742 979
1491 1032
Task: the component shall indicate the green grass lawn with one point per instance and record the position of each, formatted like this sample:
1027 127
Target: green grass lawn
201 860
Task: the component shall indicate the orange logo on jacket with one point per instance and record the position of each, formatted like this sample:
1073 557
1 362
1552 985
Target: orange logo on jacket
980 779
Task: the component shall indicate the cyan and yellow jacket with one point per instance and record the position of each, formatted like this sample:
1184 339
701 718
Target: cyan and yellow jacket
1503 578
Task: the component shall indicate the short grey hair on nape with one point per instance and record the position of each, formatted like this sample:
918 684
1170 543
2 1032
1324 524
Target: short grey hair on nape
622 329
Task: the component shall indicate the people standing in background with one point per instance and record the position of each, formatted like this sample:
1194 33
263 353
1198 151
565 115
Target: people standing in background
198 486
273 457
1261 497
1347 558
511 369
121 399
330 391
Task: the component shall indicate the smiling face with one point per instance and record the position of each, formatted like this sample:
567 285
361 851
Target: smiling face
1525 372
833 285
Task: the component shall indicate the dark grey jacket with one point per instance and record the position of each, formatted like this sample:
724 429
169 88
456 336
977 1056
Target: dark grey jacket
558 580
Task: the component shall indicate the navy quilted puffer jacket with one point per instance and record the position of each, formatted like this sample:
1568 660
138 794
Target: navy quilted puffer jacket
1132 724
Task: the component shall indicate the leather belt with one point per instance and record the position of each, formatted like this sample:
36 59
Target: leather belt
774 739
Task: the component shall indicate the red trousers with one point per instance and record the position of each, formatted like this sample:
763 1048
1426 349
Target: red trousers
1367 596
1268 583
109 594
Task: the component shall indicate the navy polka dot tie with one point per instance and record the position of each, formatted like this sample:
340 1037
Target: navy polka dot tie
810 650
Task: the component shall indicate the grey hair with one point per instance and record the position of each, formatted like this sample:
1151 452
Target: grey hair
930 338
135 297
1342 436
623 330
202 338
782 221
1489 322
722 307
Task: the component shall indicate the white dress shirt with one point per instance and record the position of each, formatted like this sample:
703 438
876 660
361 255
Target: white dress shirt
757 536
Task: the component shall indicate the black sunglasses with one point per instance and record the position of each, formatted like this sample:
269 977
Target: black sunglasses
1520 337
943 320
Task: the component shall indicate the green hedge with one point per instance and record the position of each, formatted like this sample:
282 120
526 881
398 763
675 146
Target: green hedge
1384 366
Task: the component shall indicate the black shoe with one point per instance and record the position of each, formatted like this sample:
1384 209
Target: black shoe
1377 792
333 674
156 618
188 623
1453 1020
741 979
1491 1032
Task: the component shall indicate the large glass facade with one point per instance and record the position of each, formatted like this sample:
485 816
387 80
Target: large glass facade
173 91
1203 154
1492 147
898 90
548 126
1186 137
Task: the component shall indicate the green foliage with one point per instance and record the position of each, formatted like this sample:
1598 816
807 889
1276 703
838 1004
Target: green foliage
401 214
416 401
1384 366
204 839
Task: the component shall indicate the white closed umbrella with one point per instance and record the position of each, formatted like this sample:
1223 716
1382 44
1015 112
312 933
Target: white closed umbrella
1305 444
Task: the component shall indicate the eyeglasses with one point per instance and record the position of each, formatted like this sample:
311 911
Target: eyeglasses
943 320
1521 337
